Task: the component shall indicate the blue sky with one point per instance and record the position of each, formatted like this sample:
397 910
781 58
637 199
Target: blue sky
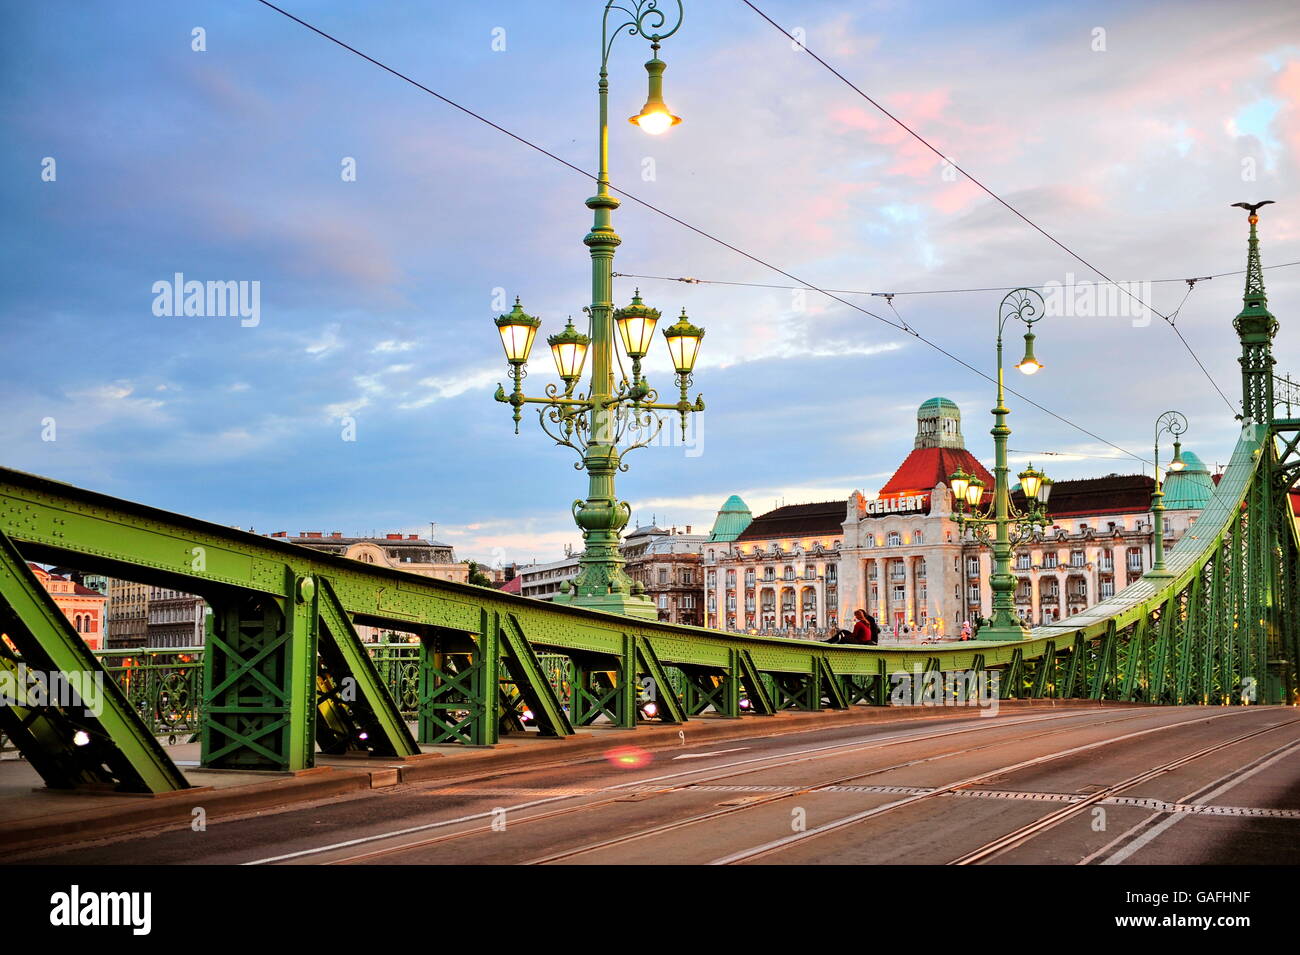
377 295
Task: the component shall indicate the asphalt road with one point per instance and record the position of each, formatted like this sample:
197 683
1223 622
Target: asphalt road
1117 785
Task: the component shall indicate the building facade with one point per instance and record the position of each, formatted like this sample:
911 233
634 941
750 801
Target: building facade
667 565
900 554
408 552
128 614
84 608
775 572
176 619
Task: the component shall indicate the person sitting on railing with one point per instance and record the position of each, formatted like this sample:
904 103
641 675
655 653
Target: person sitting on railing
865 633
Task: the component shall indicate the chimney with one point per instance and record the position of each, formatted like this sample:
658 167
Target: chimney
337 535
412 537
688 528
284 534
313 534
393 537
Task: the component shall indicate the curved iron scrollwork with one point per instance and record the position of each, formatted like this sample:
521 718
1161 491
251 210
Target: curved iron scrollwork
645 19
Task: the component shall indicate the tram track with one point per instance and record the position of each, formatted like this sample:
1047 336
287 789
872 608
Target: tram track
1011 840
996 845
760 801
699 776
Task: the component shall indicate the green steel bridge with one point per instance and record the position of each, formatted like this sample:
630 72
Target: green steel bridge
284 674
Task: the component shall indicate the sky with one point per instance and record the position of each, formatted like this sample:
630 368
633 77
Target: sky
358 395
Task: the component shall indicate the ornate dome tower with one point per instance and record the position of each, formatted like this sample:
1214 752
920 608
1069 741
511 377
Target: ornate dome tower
938 424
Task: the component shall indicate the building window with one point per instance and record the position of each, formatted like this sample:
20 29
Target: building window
1076 558
894 539
1107 587
898 594
663 578
1022 562
1050 560
973 593
810 572
920 568
1135 558
832 574
972 566
789 572
749 576
1107 560
918 537
731 578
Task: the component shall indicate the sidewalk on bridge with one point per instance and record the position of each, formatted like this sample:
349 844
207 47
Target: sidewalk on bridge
32 816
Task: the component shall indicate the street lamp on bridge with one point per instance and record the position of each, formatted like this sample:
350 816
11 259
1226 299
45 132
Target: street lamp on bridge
1011 525
1172 423
610 413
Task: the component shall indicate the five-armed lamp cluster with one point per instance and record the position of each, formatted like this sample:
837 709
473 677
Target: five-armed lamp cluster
1012 526
611 417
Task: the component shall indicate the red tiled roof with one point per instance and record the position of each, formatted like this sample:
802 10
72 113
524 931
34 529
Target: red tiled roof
798 520
512 586
1295 503
926 467
86 591
1113 494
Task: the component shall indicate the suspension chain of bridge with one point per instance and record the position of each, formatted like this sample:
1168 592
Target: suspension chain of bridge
284 673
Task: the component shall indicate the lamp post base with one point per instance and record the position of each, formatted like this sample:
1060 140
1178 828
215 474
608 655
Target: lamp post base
1013 632
629 606
1159 573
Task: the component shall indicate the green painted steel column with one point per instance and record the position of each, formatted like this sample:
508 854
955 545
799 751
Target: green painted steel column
1005 624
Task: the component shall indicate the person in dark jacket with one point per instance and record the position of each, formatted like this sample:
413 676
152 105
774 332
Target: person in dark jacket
873 630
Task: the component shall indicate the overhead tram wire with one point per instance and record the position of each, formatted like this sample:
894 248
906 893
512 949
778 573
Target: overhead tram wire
903 327
993 195
689 280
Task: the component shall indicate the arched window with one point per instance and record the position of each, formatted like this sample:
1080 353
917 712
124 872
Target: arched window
78 620
894 539
918 537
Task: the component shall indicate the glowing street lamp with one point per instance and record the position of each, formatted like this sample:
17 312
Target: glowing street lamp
1026 306
611 417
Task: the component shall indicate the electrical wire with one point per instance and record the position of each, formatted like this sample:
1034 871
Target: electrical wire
900 326
935 291
993 195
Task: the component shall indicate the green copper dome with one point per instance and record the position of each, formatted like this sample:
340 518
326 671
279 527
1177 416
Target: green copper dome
1189 489
731 521
937 404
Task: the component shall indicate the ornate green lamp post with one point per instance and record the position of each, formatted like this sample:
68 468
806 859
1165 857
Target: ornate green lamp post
972 516
611 418
1171 422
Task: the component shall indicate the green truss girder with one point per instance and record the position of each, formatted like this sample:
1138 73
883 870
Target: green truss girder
760 700
278 655
461 698
531 680
355 708
92 738
831 692
670 707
